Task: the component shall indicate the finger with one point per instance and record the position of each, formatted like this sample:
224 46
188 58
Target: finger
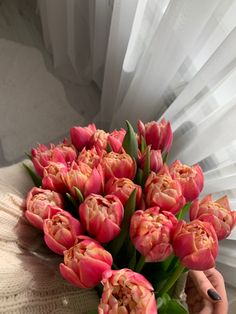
208 308
220 307
204 286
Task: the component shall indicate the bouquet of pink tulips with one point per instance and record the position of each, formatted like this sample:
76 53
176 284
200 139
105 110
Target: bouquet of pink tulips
110 204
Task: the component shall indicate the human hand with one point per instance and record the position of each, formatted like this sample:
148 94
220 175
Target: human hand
206 292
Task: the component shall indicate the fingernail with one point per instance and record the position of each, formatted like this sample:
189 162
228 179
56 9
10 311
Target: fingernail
213 295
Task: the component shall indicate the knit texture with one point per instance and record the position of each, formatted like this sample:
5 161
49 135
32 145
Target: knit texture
29 278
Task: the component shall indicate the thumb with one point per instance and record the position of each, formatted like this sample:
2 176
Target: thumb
204 286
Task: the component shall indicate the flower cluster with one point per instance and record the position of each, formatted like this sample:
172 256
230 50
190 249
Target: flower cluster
110 204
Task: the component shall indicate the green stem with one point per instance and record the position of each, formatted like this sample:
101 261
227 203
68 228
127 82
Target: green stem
171 280
140 264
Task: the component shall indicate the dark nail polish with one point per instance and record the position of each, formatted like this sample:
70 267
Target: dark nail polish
213 295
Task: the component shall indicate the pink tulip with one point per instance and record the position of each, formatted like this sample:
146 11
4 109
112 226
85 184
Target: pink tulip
115 140
80 136
102 216
42 155
157 134
156 162
38 203
98 140
68 151
90 157
61 231
87 180
52 177
122 188
150 232
217 213
126 292
190 178
161 190
196 244
118 165
85 262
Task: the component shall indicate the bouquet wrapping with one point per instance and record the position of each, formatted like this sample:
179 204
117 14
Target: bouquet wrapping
124 221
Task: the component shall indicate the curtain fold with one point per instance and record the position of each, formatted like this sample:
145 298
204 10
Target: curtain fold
153 59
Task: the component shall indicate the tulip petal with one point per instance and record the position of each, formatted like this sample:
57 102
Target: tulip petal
70 276
91 271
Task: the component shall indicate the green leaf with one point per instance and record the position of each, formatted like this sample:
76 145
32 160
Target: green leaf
174 306
116 244
109 149
139 176
143 144
146 170
164 157
29 156
71 199
79 194
130 144
162 303
34 176
183 211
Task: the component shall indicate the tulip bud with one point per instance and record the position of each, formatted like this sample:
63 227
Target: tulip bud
84 178
38 203
118 165
102 216
68 151
80 136
122 188
156 162
126 292
85 262
98 140
196 244
161 190
157 134
217 213
61 231
115 140
52 177
190 178
42 155
90 157
150 232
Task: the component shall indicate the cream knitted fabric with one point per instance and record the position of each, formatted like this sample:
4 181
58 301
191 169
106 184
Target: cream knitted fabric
29 277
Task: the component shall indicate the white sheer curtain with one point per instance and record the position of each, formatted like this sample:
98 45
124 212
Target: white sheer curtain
153 58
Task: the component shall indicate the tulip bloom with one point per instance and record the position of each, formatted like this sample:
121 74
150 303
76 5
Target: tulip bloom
52 177
126 292
196 244
190 178
87 180
217 213
85 262
118 165
150 232
102 216
115 140
157 134
90 157
98 140
68 151
156 162
122 188
38 203
161 190
61 231
42 155
80 136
